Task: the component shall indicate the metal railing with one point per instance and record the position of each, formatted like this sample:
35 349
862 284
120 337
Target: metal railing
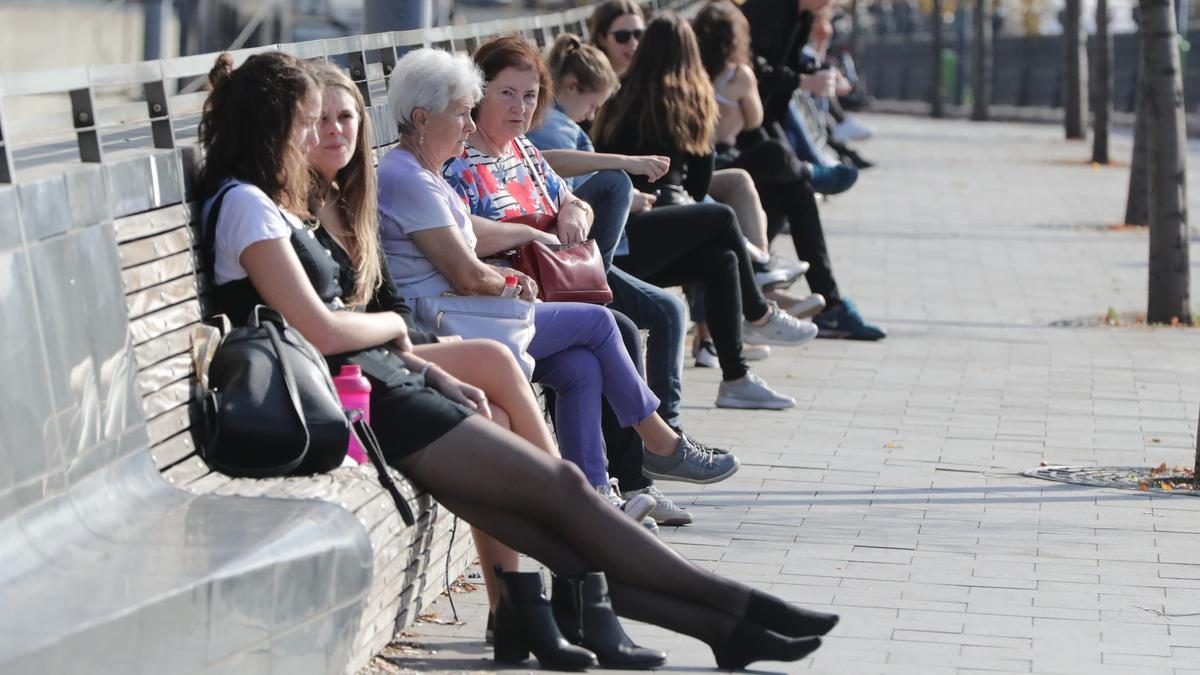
91 114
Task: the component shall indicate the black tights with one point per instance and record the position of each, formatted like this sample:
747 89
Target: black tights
562 522
700 244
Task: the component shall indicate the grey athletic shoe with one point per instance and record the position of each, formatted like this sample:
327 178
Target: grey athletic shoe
689 464
781 328
666 512
751 393
637 508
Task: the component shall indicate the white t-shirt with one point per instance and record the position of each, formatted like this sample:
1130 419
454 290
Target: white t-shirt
412 199
247 216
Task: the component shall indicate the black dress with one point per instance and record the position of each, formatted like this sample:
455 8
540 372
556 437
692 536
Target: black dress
406 415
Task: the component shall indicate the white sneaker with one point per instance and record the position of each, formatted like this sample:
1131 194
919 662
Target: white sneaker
751 393
799 307
756 352
781 328
636 508
705 353
666 512
793 268
767 278
850 129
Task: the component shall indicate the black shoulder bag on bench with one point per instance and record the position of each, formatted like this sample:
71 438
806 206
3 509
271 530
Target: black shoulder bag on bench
270 404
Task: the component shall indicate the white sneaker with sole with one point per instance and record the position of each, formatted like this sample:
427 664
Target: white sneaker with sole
751 393
756 352
637 508
705 353
781 329
850 129
666 512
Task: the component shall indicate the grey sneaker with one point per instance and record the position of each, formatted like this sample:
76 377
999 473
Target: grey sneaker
781 328
637 508
666 512
751 393
689 464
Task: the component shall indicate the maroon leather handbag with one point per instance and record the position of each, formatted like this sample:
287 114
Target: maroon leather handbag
571 272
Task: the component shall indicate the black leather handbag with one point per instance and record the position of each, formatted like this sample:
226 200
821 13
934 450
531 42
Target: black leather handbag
272 409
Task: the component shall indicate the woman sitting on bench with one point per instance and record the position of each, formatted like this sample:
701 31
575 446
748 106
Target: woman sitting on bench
257 125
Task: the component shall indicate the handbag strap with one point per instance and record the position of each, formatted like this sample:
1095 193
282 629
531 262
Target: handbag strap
536 174
268 323
367 439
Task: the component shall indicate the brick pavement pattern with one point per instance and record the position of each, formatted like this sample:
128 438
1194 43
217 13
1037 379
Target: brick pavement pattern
891 494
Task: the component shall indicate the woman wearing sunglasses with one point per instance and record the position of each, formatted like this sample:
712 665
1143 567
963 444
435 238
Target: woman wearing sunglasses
616 27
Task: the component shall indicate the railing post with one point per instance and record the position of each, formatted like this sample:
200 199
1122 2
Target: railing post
158 106
358 73
6 165
83 112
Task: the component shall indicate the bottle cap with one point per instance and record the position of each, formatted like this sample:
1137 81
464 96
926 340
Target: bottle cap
350 370
510 280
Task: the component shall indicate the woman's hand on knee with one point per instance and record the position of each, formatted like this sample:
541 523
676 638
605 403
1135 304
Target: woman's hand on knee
458 391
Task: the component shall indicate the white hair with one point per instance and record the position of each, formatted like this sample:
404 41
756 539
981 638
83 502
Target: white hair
431 79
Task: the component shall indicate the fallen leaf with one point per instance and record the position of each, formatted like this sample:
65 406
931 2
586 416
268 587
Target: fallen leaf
1044 463
892 444
1143 485
1159 470
1164 485
1155 440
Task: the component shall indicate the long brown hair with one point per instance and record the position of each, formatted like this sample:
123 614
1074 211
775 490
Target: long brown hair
514 51
723 35
246 127
356 194
665 94
586 63
606 13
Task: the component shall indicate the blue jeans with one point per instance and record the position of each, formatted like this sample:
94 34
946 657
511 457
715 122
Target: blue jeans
663 315
609 193
793 128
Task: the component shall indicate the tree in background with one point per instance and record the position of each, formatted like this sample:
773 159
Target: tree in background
1074 71
1103 79
1162 95
981 62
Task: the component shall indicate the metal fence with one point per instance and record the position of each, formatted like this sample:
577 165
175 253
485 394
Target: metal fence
52 119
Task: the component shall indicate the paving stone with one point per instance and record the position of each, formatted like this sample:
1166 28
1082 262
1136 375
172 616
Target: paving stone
892 493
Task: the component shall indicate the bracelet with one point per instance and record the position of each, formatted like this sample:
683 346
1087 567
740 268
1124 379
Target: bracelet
425 368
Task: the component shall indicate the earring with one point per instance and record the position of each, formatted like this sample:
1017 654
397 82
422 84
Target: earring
421 141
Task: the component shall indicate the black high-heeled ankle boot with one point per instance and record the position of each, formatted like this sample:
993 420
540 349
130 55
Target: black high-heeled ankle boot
751 642
785 618
585 616
524 623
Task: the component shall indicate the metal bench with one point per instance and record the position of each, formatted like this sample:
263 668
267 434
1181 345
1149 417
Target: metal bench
119 550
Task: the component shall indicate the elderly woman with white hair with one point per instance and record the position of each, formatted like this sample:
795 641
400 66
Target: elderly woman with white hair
434 245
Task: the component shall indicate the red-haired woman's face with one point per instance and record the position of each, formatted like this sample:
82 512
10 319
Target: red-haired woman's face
508 104
622 40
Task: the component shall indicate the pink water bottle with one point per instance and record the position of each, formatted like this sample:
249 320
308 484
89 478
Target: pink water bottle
355 392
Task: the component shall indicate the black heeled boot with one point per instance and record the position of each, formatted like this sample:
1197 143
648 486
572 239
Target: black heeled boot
785 618
524 623
751 642
585 616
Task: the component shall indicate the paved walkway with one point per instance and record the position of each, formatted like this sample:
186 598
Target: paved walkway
891 494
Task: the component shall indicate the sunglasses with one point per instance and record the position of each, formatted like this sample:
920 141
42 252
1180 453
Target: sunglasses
623 36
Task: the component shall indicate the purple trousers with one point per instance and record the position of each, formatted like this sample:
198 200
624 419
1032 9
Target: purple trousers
580 356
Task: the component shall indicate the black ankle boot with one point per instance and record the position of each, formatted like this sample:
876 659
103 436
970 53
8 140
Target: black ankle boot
751 642
585 616
524 623
785 618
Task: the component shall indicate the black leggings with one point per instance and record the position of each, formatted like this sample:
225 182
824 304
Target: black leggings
785 193
700 244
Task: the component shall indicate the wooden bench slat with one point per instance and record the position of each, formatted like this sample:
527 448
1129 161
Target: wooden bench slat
164 374
160 297
142 251
174 450
152 222
164 347
187 472
155 272
167 425
168 398
164 321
